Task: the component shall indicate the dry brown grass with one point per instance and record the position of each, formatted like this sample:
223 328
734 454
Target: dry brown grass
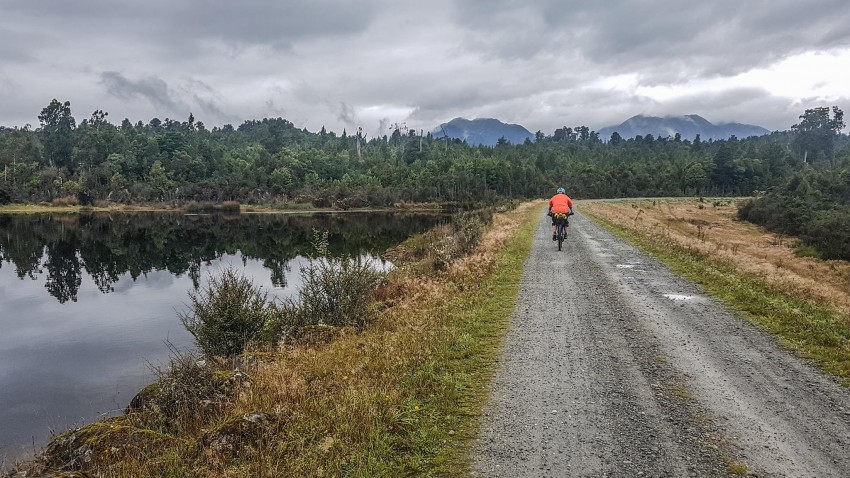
715 230
65 201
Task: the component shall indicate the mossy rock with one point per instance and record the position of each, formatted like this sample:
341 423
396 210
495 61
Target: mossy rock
102 443
170 399
145 396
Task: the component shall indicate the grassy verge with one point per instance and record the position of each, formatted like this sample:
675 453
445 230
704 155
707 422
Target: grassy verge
402 398
811 328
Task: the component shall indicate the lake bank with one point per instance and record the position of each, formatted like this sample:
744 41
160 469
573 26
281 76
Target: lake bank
400 398
191 206
88 302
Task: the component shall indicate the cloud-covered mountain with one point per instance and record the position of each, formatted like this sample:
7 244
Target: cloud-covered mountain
688 126
484 131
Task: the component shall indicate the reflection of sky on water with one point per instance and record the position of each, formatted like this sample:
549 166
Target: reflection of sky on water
65 364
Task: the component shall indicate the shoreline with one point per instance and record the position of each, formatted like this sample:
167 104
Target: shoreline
216 209
424 313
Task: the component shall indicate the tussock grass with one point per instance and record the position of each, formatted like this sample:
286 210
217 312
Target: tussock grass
402 398
65 201
209 206
804 301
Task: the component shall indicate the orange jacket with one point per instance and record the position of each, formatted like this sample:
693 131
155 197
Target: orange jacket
560 203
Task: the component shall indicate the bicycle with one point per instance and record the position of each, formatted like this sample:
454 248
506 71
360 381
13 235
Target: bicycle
561 223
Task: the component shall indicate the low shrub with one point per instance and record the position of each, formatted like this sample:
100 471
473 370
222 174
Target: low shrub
227 314
335 291
466 228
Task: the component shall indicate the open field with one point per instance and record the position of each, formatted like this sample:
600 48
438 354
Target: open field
803 300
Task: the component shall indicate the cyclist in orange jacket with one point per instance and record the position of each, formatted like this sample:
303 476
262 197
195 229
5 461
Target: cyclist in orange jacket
560 204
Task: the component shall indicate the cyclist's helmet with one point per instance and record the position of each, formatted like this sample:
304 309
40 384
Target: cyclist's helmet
562 191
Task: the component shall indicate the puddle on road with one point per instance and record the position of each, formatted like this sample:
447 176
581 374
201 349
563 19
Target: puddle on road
625 266
679 297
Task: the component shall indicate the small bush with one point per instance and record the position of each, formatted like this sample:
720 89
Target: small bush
336 291
65 201
5 197
227 314
86 197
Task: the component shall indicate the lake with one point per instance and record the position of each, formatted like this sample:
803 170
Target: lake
88 303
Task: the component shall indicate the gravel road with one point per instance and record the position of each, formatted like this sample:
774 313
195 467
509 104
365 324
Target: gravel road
614 366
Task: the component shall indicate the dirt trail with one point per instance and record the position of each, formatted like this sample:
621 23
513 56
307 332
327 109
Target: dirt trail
616 367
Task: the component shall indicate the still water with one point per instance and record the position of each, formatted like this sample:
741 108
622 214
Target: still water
88 303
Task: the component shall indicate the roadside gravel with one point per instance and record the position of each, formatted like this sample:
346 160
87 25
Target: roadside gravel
616 367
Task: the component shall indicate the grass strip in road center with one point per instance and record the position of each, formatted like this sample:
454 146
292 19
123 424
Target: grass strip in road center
812 329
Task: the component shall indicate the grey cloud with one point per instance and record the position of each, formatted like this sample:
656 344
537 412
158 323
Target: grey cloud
719 37
176 26
347 114
383 126
271 22
9 52
208 100
743 105
343 64
152 89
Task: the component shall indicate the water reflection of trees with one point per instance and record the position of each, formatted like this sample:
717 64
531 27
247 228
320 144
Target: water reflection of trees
106 246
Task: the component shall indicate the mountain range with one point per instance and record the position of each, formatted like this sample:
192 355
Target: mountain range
482 131
487 131
688 127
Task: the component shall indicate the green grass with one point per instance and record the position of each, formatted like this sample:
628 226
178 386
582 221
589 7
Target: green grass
811 329
465 366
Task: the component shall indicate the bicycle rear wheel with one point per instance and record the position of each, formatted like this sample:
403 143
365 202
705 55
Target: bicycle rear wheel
561 234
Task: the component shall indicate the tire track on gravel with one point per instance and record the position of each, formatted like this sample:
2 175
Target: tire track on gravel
604 375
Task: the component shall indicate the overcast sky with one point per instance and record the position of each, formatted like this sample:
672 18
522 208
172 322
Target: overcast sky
371 63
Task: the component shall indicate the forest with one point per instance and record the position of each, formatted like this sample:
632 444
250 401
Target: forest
273 162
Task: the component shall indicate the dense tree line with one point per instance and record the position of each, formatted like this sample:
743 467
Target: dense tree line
814 203
814 206
271 160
